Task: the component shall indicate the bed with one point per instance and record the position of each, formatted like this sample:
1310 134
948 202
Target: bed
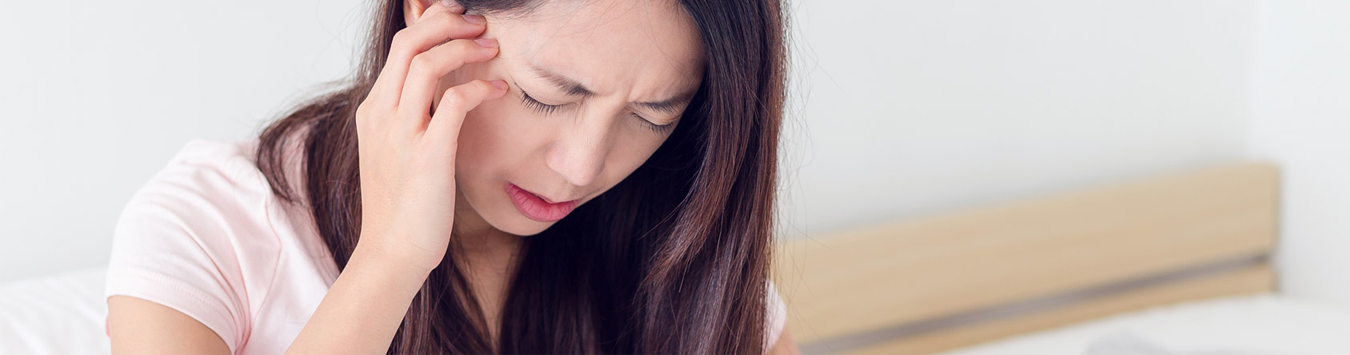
1236 325
57 314
1177 264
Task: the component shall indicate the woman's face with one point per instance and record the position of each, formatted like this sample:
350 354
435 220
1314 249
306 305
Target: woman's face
595 88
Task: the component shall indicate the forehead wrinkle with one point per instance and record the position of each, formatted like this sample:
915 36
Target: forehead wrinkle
577 86
540 47
571 86
583 20
533 64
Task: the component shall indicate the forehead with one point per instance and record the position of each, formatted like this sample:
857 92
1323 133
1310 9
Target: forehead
647 49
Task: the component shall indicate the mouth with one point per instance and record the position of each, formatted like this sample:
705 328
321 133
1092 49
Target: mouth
538 208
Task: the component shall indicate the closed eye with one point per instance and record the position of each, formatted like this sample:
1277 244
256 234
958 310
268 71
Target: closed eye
655 128
547 109
536 105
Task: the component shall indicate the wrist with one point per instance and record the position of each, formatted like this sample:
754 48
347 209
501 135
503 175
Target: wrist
391 262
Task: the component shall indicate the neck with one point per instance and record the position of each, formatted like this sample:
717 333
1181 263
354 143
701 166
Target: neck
481 244
488 258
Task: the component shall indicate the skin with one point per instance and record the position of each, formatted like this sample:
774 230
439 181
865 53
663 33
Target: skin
461 101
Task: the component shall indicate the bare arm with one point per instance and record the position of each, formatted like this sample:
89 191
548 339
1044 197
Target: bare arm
363 309
138 326
359 315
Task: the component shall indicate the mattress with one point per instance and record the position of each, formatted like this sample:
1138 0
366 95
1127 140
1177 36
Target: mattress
1247 325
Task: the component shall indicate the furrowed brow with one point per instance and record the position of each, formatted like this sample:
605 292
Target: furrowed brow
571 87
670 106
574 88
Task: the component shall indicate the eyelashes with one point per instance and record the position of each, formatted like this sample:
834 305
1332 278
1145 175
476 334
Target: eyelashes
536 105
547 109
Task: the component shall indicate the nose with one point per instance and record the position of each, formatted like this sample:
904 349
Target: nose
579 153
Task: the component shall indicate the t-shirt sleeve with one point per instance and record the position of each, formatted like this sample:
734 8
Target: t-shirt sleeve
177 241
776 316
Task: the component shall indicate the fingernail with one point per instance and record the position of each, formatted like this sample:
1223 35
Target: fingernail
499 84
475 19
486 42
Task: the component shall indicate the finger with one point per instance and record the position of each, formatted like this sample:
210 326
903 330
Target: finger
429 31
441 6
452 6
456 102
427 69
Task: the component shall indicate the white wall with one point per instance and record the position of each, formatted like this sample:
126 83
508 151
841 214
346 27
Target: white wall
95 96
913 107
1301 117
919 107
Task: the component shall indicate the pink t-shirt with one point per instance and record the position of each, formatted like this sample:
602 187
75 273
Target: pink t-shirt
206 236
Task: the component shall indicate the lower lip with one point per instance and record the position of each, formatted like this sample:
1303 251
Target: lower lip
536 208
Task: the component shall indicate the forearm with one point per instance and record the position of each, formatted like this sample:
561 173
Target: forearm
364 307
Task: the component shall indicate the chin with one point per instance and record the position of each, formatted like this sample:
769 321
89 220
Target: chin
518 225
506 218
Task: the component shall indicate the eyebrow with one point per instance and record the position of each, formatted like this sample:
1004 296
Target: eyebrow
574 88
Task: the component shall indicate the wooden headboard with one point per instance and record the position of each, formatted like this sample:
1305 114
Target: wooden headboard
938 283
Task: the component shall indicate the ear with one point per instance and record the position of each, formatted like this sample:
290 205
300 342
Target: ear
413 9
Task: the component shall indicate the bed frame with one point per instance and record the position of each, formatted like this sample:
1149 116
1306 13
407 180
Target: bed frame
953 280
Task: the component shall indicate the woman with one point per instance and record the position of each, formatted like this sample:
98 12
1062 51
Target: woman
539 176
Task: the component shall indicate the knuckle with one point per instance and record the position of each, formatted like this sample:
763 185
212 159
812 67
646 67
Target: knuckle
454 98
443 19
362 116
362 111
401 39
422 64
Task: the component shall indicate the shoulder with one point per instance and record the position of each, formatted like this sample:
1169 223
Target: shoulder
212 174
207 176
197 238
210 195
211 165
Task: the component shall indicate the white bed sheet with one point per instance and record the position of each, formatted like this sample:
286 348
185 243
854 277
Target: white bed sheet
1247 325
57 314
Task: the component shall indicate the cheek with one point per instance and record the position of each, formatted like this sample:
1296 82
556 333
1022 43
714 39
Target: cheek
486 137
491 137
629 153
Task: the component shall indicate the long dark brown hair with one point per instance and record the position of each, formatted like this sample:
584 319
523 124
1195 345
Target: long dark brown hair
674 259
